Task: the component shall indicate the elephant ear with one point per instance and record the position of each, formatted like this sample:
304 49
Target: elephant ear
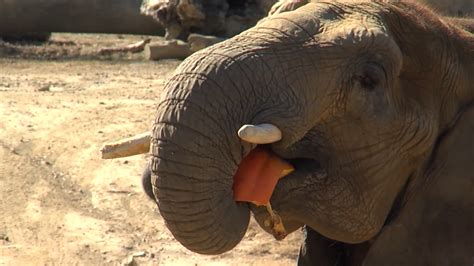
434 225
465 23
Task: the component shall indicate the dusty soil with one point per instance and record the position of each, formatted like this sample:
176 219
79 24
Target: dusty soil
59 202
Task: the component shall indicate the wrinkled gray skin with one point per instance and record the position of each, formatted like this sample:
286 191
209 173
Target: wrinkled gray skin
375 102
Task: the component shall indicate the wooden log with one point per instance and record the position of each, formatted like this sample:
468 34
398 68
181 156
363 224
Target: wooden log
77 16
167 50
199 41
135 145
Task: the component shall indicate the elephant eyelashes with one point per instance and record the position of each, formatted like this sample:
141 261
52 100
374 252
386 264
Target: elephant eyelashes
370 77
367 82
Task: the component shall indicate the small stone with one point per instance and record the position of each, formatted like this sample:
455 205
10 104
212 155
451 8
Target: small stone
139 254
45 88
55 89
4 237
129 247
129 261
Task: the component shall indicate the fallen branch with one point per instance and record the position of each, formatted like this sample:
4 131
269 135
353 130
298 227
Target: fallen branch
132 48
120 191
135 145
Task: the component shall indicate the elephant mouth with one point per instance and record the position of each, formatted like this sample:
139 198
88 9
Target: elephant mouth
256 173
305 165
256 179
257 176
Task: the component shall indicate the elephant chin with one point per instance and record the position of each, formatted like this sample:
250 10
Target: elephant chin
316 249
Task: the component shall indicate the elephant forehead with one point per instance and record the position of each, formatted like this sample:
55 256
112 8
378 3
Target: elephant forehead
351 33
293 24
329 24
362 33
355 28
305 21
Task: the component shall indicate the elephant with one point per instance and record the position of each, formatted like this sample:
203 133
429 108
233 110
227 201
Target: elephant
374 101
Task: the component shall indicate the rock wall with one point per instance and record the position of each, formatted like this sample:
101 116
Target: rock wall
461 8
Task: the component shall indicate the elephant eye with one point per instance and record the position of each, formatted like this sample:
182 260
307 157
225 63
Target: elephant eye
369 77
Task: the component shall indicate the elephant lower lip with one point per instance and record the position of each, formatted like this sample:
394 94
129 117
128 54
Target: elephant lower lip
305 165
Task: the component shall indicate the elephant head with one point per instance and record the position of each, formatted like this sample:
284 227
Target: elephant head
361 92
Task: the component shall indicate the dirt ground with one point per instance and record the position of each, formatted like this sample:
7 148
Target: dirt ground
59 202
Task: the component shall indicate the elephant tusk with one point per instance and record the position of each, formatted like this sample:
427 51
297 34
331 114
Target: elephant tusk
137 144
260 134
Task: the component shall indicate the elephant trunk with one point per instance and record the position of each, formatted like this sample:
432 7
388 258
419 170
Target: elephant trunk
196 204
196 152
196 142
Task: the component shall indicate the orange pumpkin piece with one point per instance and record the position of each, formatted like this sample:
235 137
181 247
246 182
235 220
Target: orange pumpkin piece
257 176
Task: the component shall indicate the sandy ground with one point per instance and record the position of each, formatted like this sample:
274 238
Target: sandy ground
60 204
